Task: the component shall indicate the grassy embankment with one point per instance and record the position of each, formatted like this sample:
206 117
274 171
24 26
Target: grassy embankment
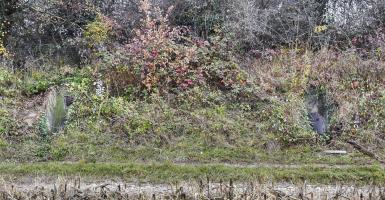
170 172
204 126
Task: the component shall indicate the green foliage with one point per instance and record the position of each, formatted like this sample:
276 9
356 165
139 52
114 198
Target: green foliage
3 143
97 32
37 87
59 151
6 122
80 82
5 77
43 151
38 82
8 82
171 173
139 126
153 120
43 126
165 86
372 114
287 120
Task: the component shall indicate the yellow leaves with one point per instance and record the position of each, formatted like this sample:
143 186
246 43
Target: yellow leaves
97 32
241 78
320 29
3 50
301 77
378 52
306 72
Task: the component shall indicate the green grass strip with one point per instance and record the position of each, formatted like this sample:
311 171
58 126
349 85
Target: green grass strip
160 172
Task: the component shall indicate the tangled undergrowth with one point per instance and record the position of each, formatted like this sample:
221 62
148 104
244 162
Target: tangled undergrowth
166 88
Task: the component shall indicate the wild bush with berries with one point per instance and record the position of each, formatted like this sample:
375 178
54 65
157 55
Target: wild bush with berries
168 59
160 57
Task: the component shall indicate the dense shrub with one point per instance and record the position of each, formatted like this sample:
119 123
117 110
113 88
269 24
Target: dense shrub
287 120
169 60
7 91
158 60
50 30
202 16
97 32
41 29
5 122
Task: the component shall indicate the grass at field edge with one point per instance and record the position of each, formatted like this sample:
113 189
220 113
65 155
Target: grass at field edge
168 172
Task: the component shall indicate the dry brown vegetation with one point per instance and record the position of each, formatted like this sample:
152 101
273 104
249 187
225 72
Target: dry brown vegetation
75 188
